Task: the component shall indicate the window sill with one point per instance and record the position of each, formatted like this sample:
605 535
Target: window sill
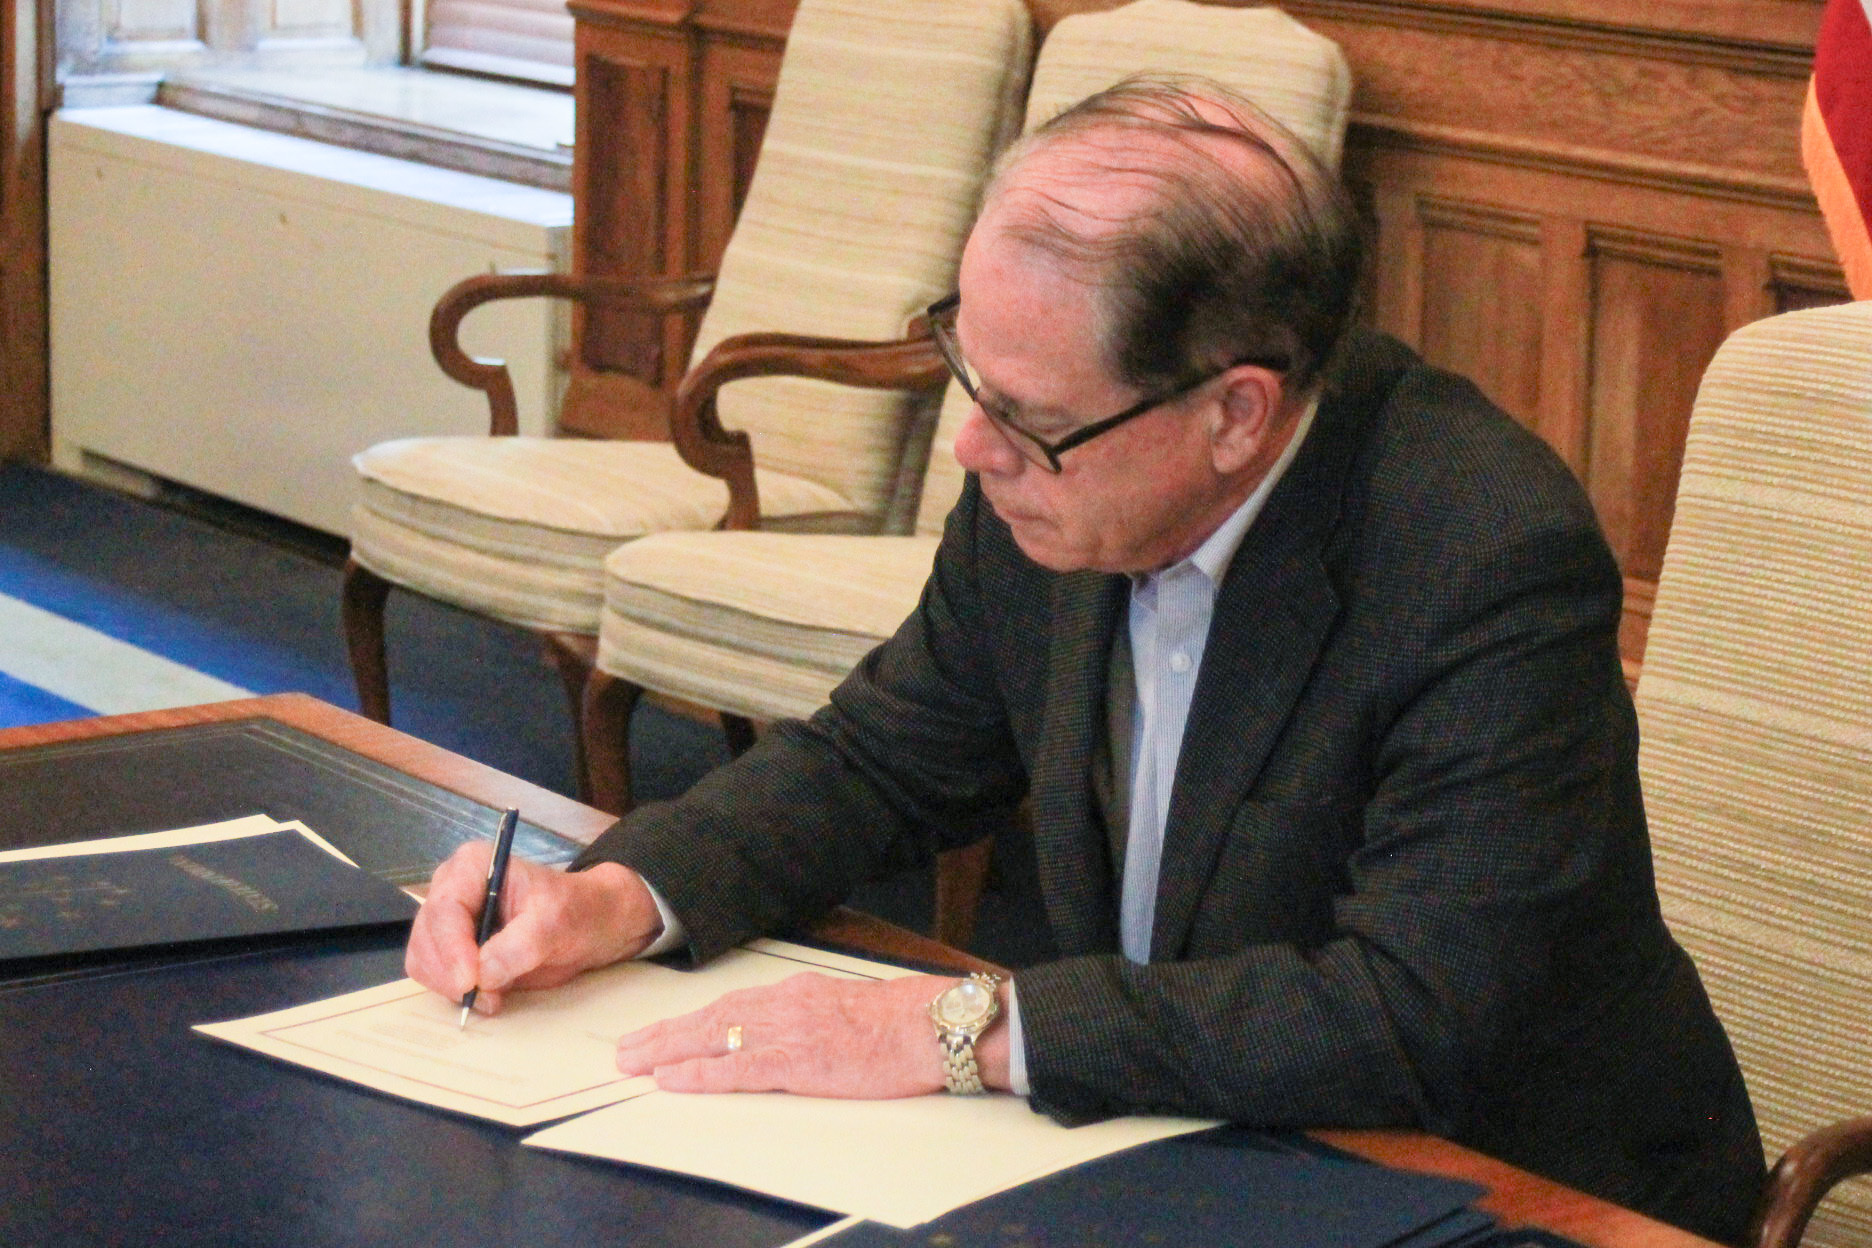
494 129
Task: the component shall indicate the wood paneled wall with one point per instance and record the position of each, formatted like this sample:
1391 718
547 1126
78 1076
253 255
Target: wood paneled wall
25 84
1572 201
673 98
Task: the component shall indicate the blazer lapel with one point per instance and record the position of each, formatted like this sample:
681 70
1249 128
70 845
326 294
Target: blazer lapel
1273 612
1069 846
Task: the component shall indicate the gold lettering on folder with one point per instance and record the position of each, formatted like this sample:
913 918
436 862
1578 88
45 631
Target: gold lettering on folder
241 891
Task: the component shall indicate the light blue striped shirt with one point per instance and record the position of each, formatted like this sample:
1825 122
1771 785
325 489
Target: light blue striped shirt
1169 627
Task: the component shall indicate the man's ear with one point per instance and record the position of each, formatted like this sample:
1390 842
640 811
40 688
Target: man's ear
1244 418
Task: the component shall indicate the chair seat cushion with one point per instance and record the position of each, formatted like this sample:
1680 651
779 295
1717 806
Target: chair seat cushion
757 624
518 528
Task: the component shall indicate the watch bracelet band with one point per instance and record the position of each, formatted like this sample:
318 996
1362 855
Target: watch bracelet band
961 1075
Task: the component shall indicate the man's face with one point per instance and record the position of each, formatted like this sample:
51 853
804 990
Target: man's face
1132 500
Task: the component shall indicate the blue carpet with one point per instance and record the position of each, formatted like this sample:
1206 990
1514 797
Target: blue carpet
264 616
21 703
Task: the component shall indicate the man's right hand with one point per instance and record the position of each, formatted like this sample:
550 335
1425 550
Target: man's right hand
554 924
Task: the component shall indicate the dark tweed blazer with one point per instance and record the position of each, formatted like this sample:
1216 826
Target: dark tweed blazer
1405 878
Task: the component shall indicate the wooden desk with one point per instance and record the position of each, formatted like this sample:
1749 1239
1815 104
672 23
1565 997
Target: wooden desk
649 1208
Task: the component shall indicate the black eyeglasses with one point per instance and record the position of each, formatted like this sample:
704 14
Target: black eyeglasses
1036 449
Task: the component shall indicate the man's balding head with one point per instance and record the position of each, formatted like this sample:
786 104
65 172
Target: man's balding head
1211 233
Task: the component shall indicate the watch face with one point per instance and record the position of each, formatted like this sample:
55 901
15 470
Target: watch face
963 1004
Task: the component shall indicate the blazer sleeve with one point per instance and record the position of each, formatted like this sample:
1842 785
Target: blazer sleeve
1497 863
912 755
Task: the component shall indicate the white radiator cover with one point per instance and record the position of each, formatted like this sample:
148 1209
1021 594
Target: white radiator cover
241 311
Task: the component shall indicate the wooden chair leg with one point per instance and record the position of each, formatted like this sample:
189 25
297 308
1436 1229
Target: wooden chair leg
605 736
961 874
574 656
740 733
362 609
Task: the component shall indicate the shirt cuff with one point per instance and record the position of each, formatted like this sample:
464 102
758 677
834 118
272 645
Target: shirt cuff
672 934
1017 1047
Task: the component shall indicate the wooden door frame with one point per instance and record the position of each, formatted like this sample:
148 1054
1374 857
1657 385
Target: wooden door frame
26 87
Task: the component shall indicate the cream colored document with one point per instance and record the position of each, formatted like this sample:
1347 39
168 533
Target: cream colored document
202 834
899 1162
545 1055
551 1054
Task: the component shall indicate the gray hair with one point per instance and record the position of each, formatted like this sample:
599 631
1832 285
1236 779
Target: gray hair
1249 247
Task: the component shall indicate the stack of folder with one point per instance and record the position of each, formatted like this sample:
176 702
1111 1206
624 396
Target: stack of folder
241 878
1225 1188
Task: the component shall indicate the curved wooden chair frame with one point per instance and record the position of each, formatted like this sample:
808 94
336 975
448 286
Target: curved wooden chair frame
1805 1174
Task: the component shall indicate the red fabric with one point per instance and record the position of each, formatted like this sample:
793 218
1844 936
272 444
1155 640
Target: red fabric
1836 135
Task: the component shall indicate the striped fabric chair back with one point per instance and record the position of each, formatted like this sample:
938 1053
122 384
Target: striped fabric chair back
1299 78
885 119
1756 709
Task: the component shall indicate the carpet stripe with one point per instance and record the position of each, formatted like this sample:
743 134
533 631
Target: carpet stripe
245 647
22 704
83 666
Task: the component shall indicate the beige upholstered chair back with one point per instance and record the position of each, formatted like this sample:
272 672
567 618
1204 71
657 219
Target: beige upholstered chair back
885 118
1756 710
1300 78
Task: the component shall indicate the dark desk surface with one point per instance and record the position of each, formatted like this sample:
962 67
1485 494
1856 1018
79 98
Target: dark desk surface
119 1125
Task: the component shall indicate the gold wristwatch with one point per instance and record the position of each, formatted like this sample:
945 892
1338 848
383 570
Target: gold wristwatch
961 1013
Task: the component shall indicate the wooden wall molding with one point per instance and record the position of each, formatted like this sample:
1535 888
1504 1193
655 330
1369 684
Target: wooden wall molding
1596 163
1806 272
1794 282
1436 212
631 13
1623 33
737 94
673 97
1775 24
628 221
1660 250
760 20
1615 112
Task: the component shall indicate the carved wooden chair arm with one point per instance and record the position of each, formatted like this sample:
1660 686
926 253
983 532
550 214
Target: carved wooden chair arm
1805 1174
911 363
664 295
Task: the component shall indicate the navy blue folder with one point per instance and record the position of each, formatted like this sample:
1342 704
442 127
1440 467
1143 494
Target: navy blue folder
1219 1189
277 883
392 824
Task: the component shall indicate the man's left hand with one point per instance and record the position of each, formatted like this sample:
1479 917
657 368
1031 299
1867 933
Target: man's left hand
811 1034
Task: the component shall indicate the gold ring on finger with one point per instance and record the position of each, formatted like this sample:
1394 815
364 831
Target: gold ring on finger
734 1038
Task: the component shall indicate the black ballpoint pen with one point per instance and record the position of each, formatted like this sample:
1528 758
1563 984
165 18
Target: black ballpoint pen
490 901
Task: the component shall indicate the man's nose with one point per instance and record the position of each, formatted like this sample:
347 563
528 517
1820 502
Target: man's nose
981 447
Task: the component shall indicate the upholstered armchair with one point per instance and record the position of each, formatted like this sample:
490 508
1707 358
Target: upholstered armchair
886 116
764 625
1756 709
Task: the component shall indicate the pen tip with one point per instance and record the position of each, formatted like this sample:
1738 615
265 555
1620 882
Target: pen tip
462 1025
